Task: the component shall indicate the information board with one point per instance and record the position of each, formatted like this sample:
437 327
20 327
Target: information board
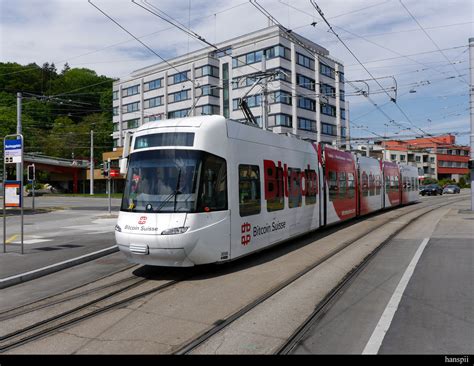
13 194
13 151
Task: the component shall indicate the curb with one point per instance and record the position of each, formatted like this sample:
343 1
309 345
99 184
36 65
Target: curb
23 277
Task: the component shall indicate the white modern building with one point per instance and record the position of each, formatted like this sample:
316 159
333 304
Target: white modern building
301 92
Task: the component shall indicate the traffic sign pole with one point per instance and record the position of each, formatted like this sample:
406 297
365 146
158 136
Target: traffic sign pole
13 154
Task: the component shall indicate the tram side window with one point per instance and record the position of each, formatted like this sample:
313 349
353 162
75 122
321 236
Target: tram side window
342 184
378 184
294 187
249 190
365 184
413 184
333 187
387 183
275 185
350 185
371 184
311 182
396 185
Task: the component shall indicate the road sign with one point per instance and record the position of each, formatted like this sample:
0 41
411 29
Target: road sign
13 151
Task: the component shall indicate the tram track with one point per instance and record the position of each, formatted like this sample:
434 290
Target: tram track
80 313
57 299
194 344
108 302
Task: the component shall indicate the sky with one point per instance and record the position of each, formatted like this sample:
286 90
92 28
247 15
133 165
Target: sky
412 51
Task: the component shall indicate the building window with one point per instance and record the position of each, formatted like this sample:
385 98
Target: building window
252 101
282 97
178 96
178 78
115 95
418 159
304 61
225 90
328 110
327 71
178 114
209 109
343 113
279 120
305 82
341 77
343 132
131 107
306 124
256 56
132 90
306 103
402 157
154 84
249 190
207 70
132 123
328 90
342 96
115 111
153 117
328 129
153 102
211 90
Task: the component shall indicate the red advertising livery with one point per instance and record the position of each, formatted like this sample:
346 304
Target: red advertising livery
208 189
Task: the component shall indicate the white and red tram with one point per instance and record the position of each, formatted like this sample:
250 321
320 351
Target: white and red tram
206 189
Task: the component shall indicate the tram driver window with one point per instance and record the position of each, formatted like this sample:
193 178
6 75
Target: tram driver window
249 190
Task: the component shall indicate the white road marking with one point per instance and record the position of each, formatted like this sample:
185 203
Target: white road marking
32 241
375 341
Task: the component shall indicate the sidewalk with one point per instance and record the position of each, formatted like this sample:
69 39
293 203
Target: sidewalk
72 232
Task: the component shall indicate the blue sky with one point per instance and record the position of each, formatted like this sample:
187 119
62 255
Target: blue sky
394 39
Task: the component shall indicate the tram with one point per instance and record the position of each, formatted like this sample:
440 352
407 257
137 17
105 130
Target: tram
208 189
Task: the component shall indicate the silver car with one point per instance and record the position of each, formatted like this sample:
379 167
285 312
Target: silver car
451 189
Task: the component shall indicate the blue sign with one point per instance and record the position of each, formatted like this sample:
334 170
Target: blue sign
13 149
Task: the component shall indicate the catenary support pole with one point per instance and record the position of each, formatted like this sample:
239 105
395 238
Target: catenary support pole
471 92
92 164
18 129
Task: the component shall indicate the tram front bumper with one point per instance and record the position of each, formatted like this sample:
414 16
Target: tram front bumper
157 256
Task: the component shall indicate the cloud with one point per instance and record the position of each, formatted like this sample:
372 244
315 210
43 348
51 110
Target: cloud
74 31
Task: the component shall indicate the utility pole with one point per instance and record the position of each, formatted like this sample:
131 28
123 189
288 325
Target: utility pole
265 96
92 164
18 131
471 92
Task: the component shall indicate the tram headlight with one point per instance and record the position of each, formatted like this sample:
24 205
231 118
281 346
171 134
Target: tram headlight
118 228
175 230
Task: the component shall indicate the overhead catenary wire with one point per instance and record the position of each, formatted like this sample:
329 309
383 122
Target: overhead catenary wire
430 38
318 9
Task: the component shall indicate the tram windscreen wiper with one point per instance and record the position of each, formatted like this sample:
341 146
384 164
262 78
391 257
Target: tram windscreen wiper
178 184
173 194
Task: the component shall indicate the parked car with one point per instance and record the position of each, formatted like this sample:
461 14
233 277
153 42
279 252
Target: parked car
452 188
431 190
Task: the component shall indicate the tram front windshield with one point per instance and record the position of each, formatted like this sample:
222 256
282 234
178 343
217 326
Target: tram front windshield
175 181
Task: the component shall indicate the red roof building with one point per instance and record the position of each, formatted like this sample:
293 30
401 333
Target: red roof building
451 160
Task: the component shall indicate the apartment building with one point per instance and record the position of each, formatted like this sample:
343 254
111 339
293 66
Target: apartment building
302 92
439 157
